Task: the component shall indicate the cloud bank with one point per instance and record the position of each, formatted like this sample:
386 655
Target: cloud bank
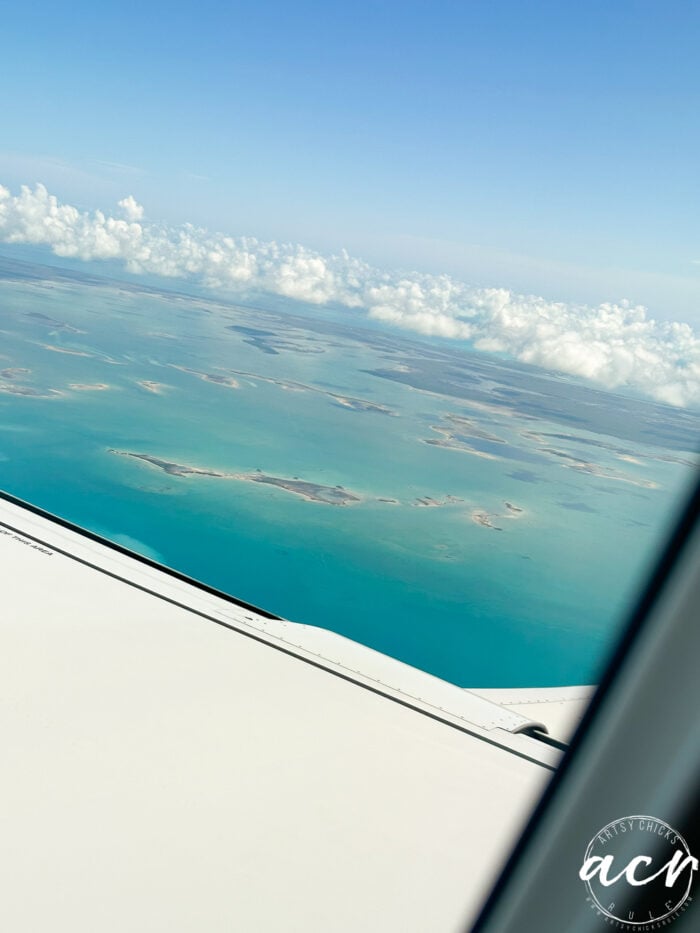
612 345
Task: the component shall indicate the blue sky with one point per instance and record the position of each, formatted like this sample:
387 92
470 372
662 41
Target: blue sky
547 147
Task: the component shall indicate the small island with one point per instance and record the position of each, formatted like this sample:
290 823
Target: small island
431 502
479 517
89 387
596 469
458 445
314 492
359 404
488 519
55 349
157 388
168 466
216 378
52 323
29 392
289 385
427 502
464 434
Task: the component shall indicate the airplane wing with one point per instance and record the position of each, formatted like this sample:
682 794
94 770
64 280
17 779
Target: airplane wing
177 761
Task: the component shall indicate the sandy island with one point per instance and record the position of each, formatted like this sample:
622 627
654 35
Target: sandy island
217 379
479 517
89 387
431 502
288 385
488 519
463 448
595 469
457 435
314 492
157 388
52 323
29 392
227 381
466 427
55 349
357 404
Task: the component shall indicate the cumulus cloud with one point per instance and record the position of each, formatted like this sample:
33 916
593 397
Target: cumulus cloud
131 209
612 345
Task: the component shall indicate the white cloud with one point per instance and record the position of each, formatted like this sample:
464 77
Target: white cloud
613 345
131 208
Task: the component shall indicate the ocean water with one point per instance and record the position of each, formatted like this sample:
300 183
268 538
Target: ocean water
500 520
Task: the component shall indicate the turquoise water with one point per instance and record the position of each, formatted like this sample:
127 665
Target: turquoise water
528 597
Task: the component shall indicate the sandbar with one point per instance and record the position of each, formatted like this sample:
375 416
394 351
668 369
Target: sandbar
463 448
55 349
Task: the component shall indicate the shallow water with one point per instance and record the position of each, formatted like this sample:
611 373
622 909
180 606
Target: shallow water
505 555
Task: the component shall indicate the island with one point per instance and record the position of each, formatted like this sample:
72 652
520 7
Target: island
167 466
314 492
29 392
55 349
289 385
216 378
52 323
479 517
458 445
465 434
596 469
488 519
157 388
89 387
